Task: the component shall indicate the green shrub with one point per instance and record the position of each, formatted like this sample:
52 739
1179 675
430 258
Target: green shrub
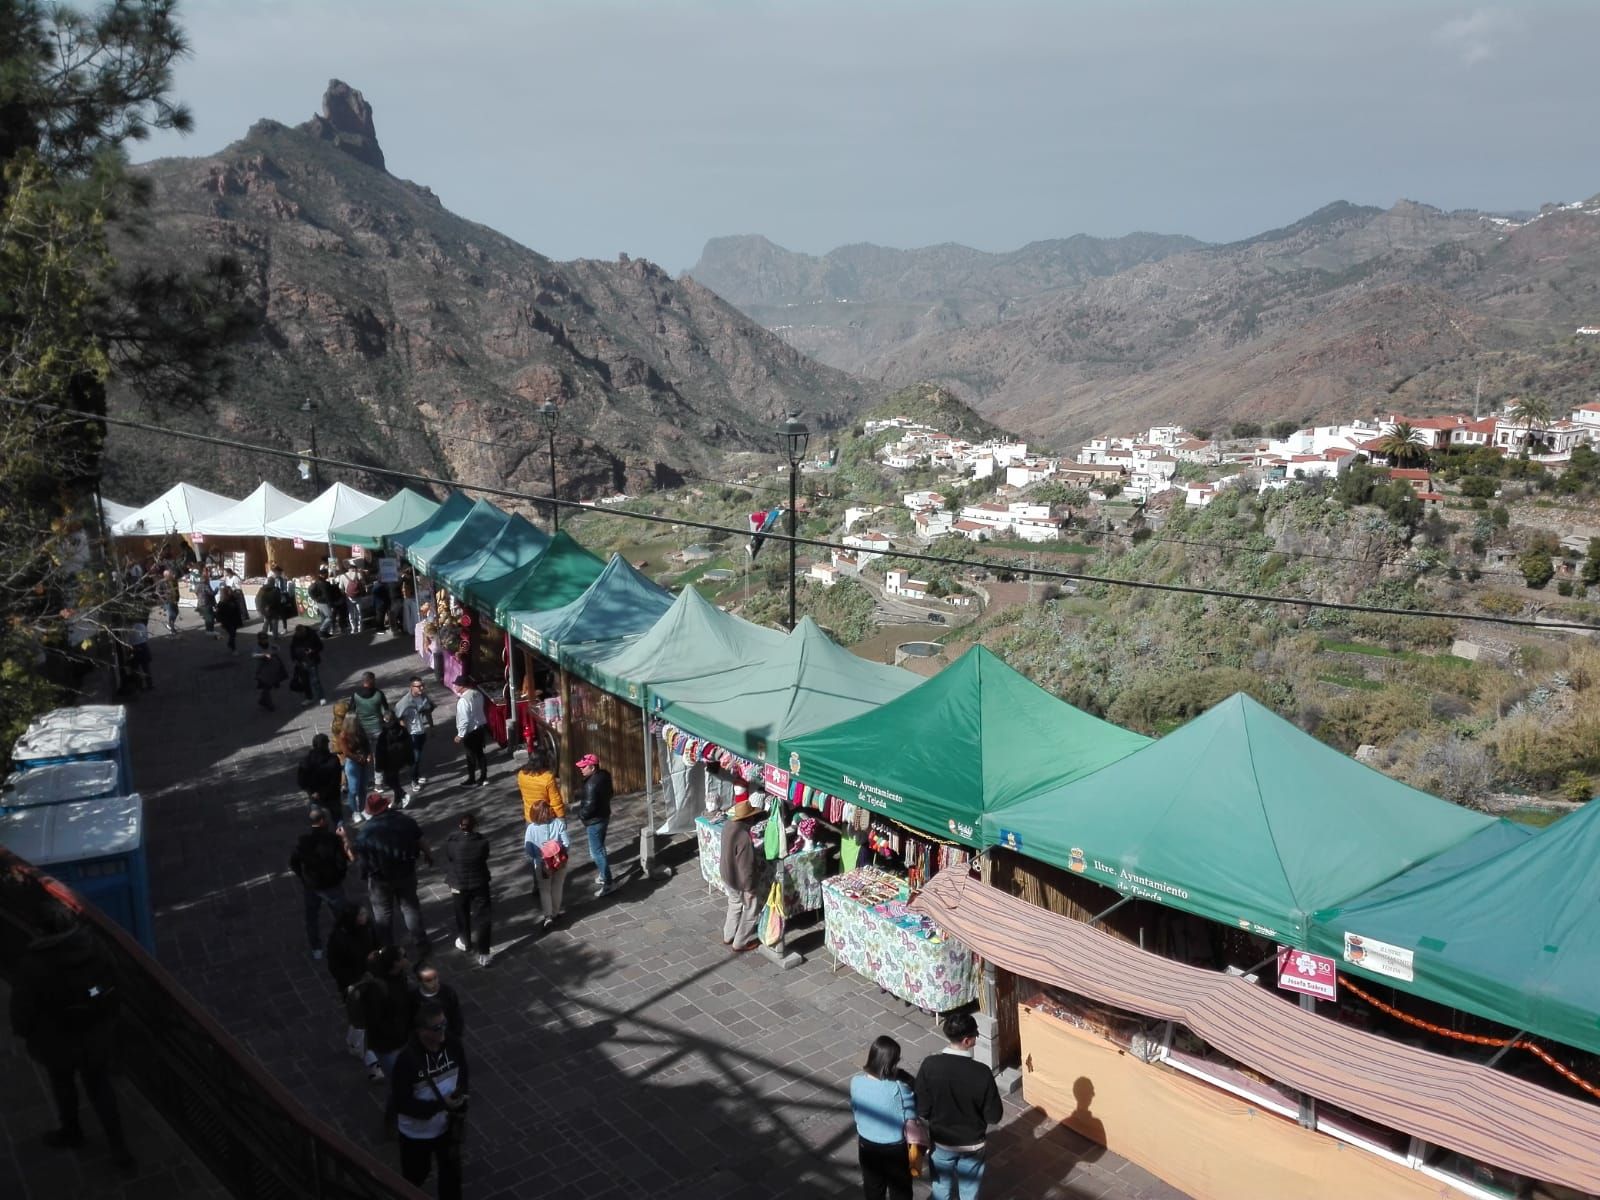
1536 568
1564 587
1500 604
1577 787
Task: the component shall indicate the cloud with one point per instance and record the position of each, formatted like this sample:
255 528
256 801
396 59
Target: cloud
1476 38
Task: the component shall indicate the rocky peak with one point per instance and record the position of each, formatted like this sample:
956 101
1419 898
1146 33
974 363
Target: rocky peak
346 121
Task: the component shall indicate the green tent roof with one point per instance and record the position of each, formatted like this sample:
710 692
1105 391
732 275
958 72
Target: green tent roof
620 603
805 683
475 531
446 519
976 736
558 575
1237 816
1513 937
403 510
517 544
694 639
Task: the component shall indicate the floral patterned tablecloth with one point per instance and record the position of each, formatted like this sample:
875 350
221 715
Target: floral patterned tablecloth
934 976
801 874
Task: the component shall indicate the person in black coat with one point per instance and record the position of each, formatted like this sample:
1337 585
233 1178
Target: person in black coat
428 1086
352 940
594 810
320 861
466 870
321 777
383 1002
394 756
64 1006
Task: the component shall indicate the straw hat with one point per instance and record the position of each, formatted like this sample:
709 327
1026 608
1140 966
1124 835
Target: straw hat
742 808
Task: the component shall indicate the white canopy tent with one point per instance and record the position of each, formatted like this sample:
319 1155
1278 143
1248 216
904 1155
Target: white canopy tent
251 516
112 512
179 509
316 521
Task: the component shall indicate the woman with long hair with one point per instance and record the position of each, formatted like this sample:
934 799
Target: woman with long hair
882 1101
537 783
358 766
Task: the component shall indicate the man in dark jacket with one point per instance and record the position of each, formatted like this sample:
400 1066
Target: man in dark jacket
323 595
321 778
320 861
466 870
394 756
739 874
387 846
64 1006
369 705
595 812
270 671
383 1005
433 990
428 1085
957 1097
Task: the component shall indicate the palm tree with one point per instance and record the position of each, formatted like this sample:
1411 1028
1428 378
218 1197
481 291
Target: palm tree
1532 411
1403 445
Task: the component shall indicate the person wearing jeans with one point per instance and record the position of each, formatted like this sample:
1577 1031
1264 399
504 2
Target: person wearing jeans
957 1097
415 710
320 862
388 845
595 812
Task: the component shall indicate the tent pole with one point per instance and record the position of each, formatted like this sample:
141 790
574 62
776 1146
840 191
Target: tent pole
1095 920
647 833
511 687
1501 1053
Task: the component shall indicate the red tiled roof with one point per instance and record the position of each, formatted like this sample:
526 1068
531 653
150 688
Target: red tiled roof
1409 473
969 526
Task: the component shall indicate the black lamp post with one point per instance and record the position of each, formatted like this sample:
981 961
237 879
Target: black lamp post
310 409
795 436
548 412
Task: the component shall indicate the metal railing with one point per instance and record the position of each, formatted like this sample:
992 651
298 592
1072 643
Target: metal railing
241 1123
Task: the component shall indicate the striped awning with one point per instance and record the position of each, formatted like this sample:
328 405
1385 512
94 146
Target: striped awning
1463 1106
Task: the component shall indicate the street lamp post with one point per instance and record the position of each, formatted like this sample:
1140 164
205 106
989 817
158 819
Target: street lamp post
548 412
795 436
310 409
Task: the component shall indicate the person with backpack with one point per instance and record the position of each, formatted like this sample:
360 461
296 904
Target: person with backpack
352 939
270 671
354 588
64 1004
545 845
319 861
380 1005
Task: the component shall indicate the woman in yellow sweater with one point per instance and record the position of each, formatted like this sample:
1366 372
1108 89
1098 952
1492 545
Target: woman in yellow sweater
537 783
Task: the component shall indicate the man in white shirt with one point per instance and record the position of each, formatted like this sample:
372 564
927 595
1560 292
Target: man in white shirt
472 727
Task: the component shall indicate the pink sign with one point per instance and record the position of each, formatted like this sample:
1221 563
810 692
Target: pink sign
300 544
1310 974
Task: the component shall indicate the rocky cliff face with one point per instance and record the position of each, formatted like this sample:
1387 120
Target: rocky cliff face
429 343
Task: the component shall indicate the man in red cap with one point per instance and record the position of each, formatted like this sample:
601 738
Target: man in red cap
739 874
387 846
595 812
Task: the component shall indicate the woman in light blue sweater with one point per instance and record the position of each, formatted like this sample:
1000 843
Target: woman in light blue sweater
882 1101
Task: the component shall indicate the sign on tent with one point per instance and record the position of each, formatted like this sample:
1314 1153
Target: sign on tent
1306 973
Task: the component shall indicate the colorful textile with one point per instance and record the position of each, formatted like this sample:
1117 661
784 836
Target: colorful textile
800 874
936 976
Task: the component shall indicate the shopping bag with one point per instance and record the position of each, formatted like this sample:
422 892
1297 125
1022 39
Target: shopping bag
772 917
775 843
918 1141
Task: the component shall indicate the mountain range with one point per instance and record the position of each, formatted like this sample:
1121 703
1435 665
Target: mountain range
1350 310
426 342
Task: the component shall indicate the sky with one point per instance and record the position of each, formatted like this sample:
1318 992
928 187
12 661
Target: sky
585 128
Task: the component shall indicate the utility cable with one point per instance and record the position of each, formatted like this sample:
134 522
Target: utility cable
783 538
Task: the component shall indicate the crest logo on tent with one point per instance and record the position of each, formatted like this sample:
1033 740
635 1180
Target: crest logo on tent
1075 861
794 762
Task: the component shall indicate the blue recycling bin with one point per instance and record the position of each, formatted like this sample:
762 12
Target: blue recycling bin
88 733
89 779
96 847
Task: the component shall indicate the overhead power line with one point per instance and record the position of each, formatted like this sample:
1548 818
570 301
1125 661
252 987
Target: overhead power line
1049 573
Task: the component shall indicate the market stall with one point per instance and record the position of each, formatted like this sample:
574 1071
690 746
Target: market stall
518 542
311 525
242 530
175 513
403 510
1238 817
476 528
800 873
872 929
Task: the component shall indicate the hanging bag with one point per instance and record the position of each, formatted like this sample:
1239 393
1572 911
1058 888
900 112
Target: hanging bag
772 917
554 855
774 843
918 1142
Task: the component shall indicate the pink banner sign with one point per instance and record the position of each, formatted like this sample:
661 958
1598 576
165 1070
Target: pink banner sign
1308 974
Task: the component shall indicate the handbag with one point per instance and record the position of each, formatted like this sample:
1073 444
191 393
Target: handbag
918 1140
772 917
775 843
554 855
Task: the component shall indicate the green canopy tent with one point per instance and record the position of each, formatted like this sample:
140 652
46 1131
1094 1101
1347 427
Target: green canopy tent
806 683
975 736
558 575
446 519
403 510
693 639
517 544
1238 817
620 603
1513 937
475 531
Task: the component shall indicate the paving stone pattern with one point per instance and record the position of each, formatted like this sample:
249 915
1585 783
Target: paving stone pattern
626 1053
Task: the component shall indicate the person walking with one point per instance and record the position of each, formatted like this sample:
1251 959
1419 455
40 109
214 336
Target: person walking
321 778
352 940
167 597
466 870
230 615
393 757
387 846
64 1003
270 671
320 862
537 784
738 867
957 1097
369 705
428 1100
139 655
322 596
271 600
354 588
381 1003
305 651
882 1102
357 753
594 810
433 990
205 600
472 727
545 845
379 591
415 711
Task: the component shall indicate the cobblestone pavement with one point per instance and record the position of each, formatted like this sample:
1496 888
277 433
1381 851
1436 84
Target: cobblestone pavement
626 1053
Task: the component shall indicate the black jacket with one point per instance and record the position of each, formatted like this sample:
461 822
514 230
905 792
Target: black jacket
597 792
957 1097
413 1063
319 859
64 999
445 999
394 748
387 847
385 1008
319 774
348 947
466 861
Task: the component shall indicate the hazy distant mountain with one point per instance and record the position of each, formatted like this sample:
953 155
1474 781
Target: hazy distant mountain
415 330
1348 310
